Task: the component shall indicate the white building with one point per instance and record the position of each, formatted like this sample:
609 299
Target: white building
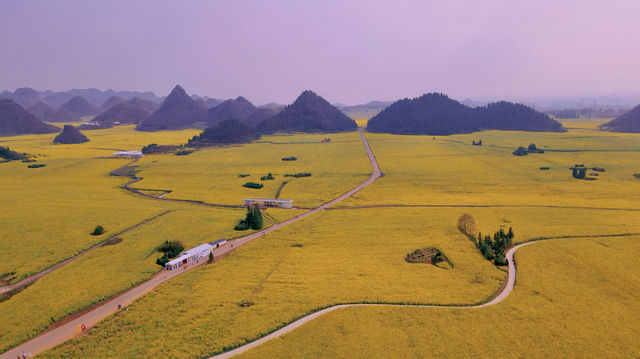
219 243
191 255
127 154
268 202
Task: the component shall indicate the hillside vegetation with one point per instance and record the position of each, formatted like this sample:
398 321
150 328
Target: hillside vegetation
627 122
437 114
15 120
309 113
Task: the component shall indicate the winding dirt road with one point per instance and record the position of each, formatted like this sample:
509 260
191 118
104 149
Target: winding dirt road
50 338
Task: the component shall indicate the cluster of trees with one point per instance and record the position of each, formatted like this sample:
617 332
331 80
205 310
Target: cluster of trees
36 165
579 171
491 248
253 220
253 185
298 175
10 155
289 158
170 250
479 143
636 175
225 132
155 148
437 114
267 177
521 151
494 248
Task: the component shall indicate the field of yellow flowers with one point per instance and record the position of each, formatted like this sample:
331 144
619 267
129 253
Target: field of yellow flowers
213 175
337 256
340 256
450 170
574 298
49 212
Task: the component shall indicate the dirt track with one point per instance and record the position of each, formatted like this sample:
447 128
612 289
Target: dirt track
61 334
28 280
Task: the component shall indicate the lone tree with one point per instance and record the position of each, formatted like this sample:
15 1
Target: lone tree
97 231
466 224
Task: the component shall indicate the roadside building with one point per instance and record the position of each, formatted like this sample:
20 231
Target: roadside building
219 243
127 154
268 202
192 255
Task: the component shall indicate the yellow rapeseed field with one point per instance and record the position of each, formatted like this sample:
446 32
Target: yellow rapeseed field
574 298
338 256
450 170
212 175
50 211
109 270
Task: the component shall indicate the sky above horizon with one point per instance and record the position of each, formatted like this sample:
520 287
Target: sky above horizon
346 51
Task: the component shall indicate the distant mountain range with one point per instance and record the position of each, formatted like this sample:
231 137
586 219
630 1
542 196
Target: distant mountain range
79 106
27 96
368 109
15 120
437 114
133 111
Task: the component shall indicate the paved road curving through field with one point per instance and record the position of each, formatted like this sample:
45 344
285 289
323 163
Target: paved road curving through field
504 292
62 333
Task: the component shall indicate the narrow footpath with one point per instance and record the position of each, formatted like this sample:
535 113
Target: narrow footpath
50 338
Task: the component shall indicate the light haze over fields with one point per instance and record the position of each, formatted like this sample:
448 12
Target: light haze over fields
347 51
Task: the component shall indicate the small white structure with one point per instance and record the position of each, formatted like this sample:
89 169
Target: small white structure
268 202
191 255
219 243
127 154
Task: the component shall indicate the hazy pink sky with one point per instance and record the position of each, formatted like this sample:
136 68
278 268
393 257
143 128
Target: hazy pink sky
347 51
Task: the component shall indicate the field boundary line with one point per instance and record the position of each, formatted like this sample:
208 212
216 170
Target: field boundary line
481 206
32 278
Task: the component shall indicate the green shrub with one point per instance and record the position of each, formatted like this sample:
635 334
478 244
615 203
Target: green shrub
267 177
10 155
183 152
298 175
36 165
289 159
242 175
521 151
97 231
598 169
171 249
544 168
253 185
242 226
